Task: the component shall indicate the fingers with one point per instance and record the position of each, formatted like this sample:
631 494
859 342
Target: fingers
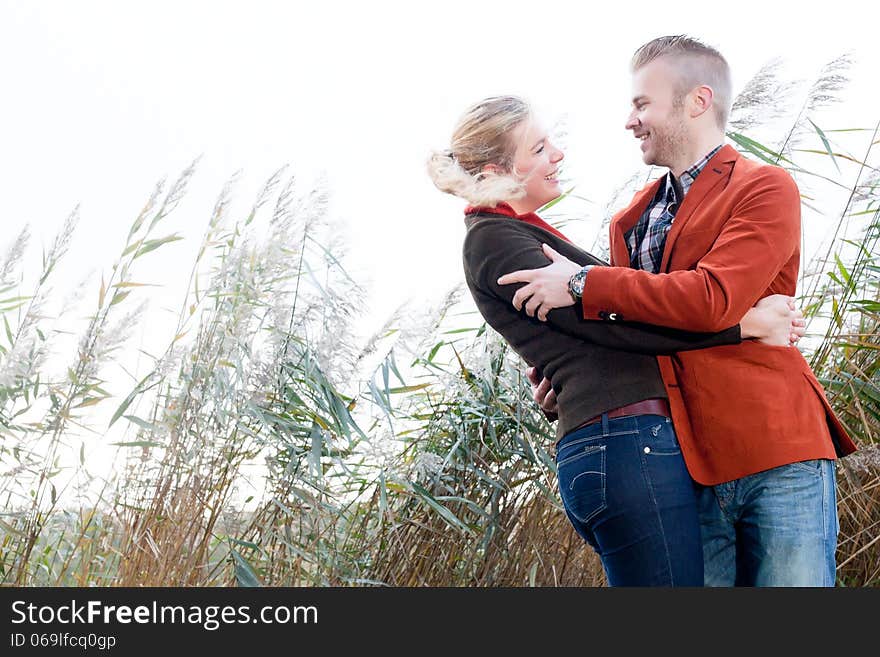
542 392
521 295
798 329
532 306
521 276
532 376
527 298
550 253
539 392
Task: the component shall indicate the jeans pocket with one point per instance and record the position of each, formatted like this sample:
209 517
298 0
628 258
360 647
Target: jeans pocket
659 439
582 482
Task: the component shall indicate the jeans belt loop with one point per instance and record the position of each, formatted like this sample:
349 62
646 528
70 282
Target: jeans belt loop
658 406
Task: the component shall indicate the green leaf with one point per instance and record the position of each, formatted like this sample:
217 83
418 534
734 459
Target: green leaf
247 544
12 299
412 388
134 393
557 199
9 528
835 313
14 306
383 493
119 296
137 443
434 351
152 245
135 285
317 447
759 150
868 305
8 331
445 513
149 426
843 271
245 575
825 142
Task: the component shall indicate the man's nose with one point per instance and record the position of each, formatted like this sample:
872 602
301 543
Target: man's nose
632 122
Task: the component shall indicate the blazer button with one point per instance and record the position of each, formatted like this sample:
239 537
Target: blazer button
603 314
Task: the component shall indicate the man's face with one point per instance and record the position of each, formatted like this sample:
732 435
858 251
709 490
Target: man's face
658 118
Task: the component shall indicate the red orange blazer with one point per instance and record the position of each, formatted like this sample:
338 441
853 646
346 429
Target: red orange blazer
737 409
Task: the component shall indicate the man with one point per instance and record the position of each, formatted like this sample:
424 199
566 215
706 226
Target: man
694 250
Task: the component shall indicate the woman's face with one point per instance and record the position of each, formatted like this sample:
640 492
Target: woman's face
536 163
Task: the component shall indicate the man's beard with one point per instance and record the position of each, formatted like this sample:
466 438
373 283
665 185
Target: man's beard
669 145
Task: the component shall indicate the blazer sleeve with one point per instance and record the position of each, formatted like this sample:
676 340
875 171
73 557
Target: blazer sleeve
761 236
492 251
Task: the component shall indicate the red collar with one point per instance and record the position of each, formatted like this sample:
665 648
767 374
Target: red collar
507 211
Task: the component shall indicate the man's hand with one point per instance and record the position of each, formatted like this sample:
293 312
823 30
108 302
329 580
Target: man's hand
542 393
774 320
547 288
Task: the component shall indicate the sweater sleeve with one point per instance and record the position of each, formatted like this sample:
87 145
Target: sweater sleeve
492 250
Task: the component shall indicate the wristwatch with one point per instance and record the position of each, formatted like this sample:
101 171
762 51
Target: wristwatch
576 283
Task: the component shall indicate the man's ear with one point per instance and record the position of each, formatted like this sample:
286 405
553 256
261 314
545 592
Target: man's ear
701 99
493 169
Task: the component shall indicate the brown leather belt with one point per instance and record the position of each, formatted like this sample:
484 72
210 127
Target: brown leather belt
646 407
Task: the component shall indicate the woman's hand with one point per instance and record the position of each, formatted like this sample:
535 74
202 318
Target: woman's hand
774 321
542 393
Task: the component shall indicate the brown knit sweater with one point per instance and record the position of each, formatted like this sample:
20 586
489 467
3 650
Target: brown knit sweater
593 366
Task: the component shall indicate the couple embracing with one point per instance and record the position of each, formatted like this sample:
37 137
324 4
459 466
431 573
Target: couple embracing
695 445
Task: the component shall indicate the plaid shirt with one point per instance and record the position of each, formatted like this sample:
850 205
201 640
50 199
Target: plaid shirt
647 238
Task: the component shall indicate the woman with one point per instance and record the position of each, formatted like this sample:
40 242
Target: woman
622 478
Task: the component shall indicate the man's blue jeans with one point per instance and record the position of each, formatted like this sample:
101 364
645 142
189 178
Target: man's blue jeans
626 490
773 528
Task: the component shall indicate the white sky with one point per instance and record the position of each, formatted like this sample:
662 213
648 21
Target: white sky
101 99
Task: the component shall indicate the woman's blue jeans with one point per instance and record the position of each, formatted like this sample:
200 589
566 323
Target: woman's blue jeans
626 490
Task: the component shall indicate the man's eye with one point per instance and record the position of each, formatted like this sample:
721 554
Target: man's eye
540 149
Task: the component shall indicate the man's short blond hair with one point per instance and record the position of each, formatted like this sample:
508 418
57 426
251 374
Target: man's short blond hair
696 64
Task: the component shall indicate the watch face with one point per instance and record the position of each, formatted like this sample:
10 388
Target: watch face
576 283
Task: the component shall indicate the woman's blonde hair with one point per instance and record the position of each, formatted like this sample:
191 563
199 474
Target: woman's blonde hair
482 136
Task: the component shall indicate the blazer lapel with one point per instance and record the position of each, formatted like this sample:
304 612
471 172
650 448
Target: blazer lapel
626 219
716 171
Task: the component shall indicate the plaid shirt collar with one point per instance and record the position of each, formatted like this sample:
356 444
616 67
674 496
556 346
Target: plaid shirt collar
689 175
647 238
